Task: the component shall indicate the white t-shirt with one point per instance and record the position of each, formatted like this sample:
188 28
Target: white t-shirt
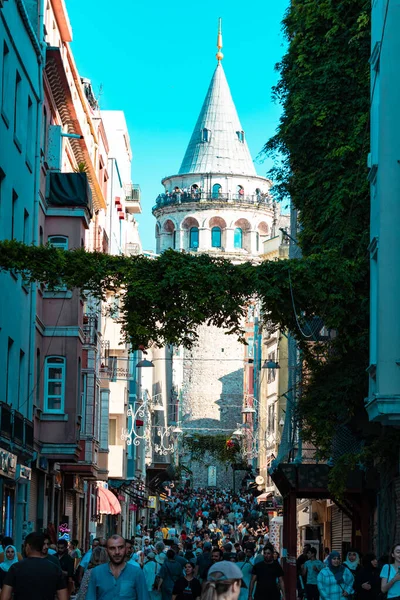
388 572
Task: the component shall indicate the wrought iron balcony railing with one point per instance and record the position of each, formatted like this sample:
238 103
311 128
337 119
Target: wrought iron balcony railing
169 199
132 198
90 327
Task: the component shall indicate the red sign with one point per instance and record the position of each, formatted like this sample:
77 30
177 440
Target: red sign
133 507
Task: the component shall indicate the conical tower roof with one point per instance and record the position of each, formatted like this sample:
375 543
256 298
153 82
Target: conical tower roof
218 144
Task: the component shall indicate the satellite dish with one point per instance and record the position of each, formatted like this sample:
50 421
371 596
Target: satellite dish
259 480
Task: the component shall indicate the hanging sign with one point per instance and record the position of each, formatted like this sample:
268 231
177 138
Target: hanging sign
63 532
8 464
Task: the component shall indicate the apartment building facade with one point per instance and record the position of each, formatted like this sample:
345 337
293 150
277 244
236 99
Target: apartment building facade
21 64
65 181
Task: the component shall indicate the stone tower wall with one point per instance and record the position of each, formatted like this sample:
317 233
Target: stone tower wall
213 394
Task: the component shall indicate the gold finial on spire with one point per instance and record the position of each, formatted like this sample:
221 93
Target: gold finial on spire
219 54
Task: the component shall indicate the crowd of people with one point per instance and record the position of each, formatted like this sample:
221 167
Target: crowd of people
357 578
201 545
195 193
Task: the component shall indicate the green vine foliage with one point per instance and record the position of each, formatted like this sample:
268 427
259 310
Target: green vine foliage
321 147
322 142
202 446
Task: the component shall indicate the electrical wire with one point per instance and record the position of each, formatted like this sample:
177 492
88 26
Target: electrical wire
312 334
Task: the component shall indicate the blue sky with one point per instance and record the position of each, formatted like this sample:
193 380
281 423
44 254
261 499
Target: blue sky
154 60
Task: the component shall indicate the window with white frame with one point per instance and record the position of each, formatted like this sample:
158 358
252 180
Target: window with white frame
271 372
271 419
61 242
54 384
58 241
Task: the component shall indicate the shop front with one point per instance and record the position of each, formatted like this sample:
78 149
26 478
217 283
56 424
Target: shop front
8 468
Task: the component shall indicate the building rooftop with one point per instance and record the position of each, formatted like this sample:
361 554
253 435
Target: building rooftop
218 143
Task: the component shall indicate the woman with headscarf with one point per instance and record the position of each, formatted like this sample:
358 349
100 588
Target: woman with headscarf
151 569
10 557
368 582
335 581
352 562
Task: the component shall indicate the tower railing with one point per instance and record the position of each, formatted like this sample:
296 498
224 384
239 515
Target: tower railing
169 199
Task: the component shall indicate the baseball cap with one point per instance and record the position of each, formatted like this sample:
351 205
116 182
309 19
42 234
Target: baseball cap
225 570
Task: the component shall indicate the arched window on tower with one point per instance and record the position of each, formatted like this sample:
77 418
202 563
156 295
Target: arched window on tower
194 237
205 135
238 238
216 237
216 190
240 135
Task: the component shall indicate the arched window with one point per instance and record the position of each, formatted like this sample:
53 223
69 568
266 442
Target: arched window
205 135
238 238
194 237
216 190
216 237
58 241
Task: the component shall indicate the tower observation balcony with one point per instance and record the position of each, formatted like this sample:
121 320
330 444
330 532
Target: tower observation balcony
175 198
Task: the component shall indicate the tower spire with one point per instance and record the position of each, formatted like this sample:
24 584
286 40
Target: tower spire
219 54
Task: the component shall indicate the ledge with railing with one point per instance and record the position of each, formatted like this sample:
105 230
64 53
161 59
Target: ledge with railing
173 198
15 428
132 198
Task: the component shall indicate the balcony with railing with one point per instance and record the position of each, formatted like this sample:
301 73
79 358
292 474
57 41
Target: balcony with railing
5 421
170 199
132 249
132 198
69 190
15 429
90 329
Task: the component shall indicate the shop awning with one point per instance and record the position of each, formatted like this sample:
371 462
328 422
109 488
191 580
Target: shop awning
264 497
133 487
108 504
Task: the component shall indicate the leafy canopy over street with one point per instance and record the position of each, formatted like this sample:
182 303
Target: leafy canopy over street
321 147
